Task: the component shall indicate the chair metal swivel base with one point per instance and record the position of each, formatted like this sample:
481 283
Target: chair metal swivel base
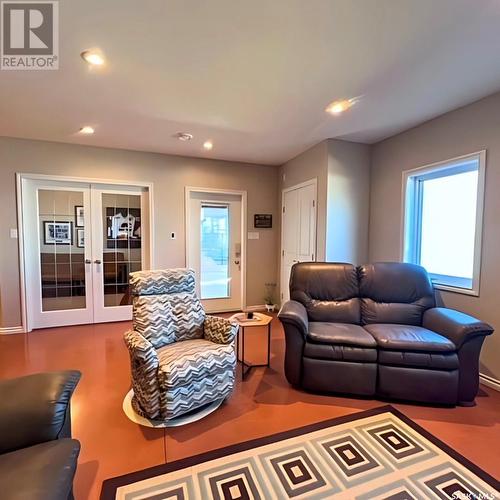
188 418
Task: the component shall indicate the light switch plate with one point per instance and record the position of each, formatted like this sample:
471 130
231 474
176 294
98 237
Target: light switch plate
253 235
13 233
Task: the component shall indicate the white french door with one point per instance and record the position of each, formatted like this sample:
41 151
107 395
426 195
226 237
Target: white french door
80 243
117 248
298 230
215 249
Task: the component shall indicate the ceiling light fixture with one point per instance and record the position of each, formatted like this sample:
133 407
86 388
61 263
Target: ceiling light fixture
208 145
94 57
87 130
337 107
183 136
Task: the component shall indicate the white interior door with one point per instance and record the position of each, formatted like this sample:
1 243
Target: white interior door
298 230
117 248
215 249
58 269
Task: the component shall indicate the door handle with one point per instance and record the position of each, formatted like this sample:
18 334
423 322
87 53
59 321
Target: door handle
88 261
97 261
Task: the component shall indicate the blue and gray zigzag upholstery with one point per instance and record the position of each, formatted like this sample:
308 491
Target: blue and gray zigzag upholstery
180 358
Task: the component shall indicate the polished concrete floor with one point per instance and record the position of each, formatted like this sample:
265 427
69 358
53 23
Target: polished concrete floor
264 404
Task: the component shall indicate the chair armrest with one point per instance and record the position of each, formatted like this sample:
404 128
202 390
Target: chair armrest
144 369
140 348
36 408
219 330
293 312
454 325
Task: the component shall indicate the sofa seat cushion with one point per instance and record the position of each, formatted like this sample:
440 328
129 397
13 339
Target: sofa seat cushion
409 338
187 362
433 360
339 352
340 334
39 472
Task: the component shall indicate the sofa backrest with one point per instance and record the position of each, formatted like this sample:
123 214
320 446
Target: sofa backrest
165 306
328 290
394 292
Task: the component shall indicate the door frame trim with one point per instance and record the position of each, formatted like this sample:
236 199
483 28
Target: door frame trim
20 176
187 213
310 182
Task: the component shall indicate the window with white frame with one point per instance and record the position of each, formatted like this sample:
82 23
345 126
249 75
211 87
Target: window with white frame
443 213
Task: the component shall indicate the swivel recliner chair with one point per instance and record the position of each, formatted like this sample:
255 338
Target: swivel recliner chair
181 359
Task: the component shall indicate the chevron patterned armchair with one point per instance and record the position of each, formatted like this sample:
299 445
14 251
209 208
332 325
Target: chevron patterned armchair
180 358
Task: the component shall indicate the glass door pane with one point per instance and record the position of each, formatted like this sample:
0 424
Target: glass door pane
214 265
121 245
61 223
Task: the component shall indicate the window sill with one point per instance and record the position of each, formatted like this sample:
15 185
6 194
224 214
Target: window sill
456 289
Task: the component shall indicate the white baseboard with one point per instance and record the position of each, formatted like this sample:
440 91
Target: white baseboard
489 381
9 330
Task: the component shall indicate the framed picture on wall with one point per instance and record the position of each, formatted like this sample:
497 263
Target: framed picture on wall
79 218
57 233
80 238
263 221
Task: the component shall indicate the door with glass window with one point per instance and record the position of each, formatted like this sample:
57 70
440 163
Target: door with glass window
81 242
215 251
117 249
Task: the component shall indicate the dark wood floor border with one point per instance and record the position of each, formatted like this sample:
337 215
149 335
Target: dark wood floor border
110 486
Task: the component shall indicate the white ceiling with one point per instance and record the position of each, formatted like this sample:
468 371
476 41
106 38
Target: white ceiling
254 75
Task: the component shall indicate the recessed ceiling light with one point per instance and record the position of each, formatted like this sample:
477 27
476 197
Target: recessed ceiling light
183 136
208 145
87 130
94 57
337 107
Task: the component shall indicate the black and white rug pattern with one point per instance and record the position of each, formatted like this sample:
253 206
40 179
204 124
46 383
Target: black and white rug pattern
377 454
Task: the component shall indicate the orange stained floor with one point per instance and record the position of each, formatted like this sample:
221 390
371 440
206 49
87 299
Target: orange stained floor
262 405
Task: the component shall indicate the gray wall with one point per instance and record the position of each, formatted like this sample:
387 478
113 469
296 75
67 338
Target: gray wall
169 174
466 130
348 202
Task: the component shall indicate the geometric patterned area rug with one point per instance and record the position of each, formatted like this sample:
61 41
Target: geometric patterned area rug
374 454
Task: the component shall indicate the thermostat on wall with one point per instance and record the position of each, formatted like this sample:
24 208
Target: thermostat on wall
253 235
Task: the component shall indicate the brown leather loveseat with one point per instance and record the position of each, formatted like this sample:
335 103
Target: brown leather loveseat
376 330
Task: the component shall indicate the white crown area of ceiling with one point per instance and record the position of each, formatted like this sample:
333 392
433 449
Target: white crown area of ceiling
254 77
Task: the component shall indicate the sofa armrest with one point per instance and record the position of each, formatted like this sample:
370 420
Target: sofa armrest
293 312
455 325
219 330
36 408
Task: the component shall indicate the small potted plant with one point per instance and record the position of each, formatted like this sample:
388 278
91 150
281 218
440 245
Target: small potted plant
269 297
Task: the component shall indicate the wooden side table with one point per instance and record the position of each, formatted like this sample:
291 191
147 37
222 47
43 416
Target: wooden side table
258 319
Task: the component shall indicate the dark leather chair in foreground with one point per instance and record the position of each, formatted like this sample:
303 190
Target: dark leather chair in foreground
376 330
37 455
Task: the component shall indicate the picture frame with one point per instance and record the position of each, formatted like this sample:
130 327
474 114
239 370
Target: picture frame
79 216
263 221
123 227
80 238
58 233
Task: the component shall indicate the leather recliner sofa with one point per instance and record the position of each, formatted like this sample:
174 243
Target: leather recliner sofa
375 330
38 458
